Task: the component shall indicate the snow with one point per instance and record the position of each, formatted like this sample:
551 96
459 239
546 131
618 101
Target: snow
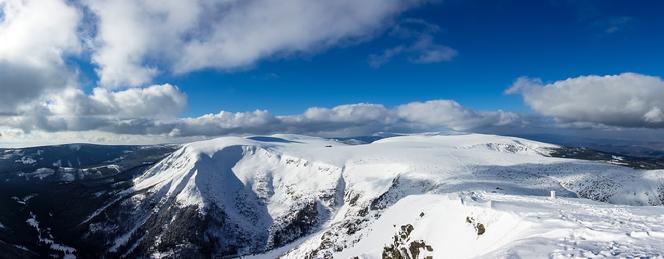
22 248
518 227
97 171
63 248
7 154
123 239
501 182
26 160
40 173
67 177
32 221
68 252
24 200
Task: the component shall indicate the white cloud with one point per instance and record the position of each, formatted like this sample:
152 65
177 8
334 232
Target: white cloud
35 37
222 123
342 120
129 33
22 84
378 60
132 42
421 49
138 39
427 51
17 138
73 110
348 113
615 24
153 112
38 32
157 101
452 115
625 100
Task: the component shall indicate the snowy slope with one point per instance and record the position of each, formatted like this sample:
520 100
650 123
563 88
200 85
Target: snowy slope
517 227
298 196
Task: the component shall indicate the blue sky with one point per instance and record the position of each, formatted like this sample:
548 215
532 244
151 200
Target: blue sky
497 42
173 71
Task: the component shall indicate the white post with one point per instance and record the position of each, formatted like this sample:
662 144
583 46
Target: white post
553 195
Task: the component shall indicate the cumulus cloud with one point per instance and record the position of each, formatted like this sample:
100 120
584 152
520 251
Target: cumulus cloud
184 36
22 84
37 32
345 120
129 33
129 43
453 115
101 112
624 100
157 101
104 110
35 38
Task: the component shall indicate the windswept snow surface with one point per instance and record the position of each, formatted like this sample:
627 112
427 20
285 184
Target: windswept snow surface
336 200
518 227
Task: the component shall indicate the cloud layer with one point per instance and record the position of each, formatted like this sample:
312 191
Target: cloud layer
153 111
182 36
103 110
34 38
624 100
130 43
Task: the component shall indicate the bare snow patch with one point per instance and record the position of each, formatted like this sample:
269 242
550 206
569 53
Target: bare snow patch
46 238
40 173
26 160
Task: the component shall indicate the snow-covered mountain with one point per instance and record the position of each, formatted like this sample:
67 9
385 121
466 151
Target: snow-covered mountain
297 197
446 196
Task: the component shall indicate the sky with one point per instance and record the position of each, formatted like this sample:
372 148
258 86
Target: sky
151 71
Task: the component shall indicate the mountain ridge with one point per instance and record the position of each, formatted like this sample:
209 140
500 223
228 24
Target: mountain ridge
305 197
